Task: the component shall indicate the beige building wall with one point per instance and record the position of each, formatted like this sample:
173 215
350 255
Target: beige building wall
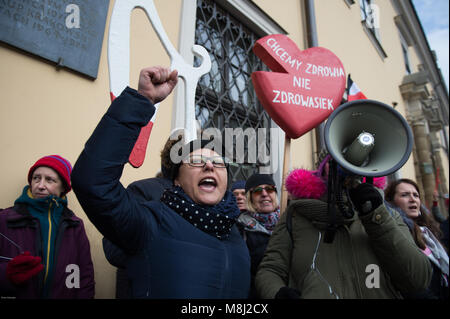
48 111
340 30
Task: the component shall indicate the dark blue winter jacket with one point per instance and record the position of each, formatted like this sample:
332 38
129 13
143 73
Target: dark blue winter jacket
170 257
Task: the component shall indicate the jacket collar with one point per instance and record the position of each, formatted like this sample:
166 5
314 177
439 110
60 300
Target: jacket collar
23 218
316 211
39 204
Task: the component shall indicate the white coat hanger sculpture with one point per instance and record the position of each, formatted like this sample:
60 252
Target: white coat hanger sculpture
119 67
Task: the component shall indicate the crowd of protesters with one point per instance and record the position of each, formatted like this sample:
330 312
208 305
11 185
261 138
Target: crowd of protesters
194 233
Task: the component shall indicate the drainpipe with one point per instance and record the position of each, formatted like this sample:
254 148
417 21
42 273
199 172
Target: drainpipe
311 31
312 41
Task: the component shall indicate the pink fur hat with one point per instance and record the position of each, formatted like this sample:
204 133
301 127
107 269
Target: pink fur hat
302 183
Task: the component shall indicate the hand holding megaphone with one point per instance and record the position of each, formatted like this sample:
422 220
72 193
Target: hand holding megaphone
366 198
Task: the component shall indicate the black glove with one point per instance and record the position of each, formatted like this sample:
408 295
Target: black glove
287 293
364 193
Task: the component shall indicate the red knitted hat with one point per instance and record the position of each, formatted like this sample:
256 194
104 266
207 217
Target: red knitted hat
59 164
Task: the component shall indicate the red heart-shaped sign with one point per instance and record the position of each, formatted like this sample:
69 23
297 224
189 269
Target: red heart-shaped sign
305 87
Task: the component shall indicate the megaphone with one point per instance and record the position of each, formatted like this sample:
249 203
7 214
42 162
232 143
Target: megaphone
368 138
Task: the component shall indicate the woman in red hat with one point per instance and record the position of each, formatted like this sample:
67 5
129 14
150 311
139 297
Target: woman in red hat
45 252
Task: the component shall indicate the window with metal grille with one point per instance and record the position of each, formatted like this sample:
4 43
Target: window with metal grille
225 97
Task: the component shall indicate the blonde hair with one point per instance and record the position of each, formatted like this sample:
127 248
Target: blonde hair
251 207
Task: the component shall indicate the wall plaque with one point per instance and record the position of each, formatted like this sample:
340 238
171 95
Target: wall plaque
67 32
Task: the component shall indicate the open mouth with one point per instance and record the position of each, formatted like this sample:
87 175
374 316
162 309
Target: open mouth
207 184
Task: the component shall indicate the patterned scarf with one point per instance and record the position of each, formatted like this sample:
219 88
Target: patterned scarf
214 220
434 250
267 220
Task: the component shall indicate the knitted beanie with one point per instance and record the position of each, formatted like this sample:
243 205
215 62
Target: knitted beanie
59 164
238 185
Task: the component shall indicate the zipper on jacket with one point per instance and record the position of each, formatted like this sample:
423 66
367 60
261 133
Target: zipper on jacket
48 242
49 239
227 275
59 231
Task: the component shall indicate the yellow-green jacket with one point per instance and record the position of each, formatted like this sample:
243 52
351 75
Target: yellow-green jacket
373 256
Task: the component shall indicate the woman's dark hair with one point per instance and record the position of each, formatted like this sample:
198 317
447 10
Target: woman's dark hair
424 218
166 163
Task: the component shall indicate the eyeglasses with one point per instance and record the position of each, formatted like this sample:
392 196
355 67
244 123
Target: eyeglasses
200 161
268 189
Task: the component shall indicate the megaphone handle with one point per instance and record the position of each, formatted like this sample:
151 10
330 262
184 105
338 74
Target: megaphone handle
367 206
286 164
332 179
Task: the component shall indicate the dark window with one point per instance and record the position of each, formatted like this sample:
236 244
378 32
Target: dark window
406 58
225 97
368 15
